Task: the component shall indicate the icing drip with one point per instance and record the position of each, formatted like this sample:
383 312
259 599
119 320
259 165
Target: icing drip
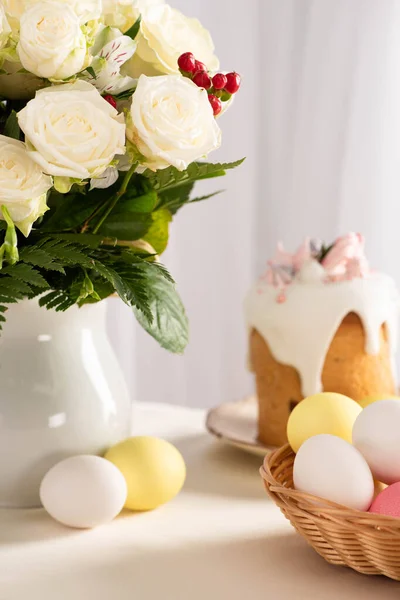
299 331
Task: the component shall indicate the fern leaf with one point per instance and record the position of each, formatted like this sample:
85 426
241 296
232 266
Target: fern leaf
206 197
87 240
169 325
163 270
129 284
4 298
65 252
45 300
39 258
13 287
26 273
57 299
171 177
65 303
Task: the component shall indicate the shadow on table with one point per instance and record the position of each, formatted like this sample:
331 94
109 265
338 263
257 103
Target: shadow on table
33 525
277 566
217 469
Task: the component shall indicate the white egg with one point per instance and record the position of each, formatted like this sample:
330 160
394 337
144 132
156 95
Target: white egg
376 434
83 491
331 468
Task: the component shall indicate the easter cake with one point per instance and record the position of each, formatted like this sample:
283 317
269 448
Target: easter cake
320 320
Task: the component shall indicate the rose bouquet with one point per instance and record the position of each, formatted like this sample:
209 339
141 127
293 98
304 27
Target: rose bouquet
108 109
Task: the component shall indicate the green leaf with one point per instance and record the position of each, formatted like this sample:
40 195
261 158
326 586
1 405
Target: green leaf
40 258
91 72
324 252
26 273
126 94
88 240
13 287
176 197
145 203
134 30
69 211
66 252
207 197
171 177
179 196
169 324
158 234
126 226
57 299
11 128
130 284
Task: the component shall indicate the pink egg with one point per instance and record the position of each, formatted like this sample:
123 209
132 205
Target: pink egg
387 502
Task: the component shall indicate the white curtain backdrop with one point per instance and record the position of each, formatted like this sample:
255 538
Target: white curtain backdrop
319 121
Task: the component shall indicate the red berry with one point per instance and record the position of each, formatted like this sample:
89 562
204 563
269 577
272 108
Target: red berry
200 66
111 100
215 103
187 62
219 81
232 83
202 80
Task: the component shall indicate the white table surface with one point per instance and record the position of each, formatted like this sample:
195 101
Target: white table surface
221 538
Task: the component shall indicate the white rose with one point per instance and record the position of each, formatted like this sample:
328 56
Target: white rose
171 122
165 33
52 44
5 28
71 131
23 186
14 8
123 13
86 10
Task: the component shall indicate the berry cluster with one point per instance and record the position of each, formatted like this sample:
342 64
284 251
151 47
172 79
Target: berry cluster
111 100
220 87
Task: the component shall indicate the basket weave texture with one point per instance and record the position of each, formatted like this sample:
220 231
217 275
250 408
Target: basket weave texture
365 542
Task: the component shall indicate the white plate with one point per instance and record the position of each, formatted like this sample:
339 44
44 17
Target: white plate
236 424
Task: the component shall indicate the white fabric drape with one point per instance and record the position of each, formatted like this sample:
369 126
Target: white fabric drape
319 120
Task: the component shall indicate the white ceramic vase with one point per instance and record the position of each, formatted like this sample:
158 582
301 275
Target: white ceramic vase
61 393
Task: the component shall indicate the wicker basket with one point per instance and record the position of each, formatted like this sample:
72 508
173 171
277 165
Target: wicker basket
367 543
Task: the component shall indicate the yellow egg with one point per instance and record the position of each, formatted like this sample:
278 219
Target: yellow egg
322 413
370 399
154 471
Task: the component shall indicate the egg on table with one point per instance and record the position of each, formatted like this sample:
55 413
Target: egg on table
376 434
83 491
329 467
154 471
322 413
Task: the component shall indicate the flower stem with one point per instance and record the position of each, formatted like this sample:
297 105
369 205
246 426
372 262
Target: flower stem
9 249
115 199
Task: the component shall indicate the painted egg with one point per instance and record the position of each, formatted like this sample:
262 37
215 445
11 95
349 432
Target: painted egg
322 413
371 399
387 502
83 491
329 467
376 434
154 471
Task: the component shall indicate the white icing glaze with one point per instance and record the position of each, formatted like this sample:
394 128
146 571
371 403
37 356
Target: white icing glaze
299 331
311 272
